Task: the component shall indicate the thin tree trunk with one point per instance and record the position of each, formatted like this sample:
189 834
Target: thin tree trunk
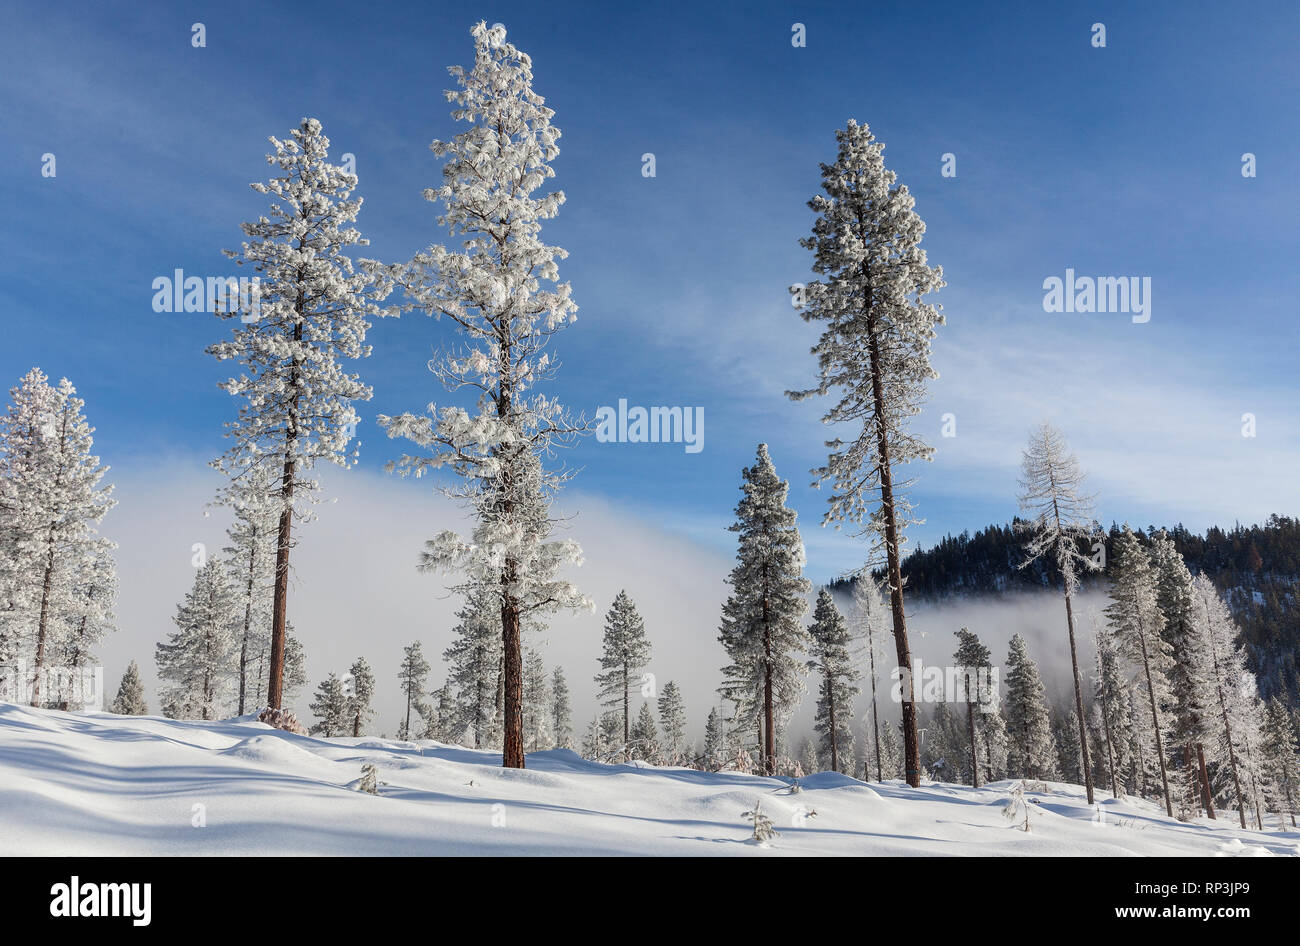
1155 719
1078 697
769 735
1227 727
406 727
248 622
627 733
830 702
974 755
875 721
1205 782
912 763
1110 752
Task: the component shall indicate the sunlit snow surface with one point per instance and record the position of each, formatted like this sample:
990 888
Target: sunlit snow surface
96 784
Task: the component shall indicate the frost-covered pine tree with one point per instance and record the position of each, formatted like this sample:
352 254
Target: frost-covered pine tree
1233 704
1069 754
1030 750
993 743
561 711
1188 670
941 744
1248 727
891 750
626 653
130 694
362 692
762 619
1051 491
672 723
197 663
439 724
411 675
1280 763
537 698
88 615
309 315
645 737
974 662
254 501
808 757
331 708
834 669
875 352
764 827
502 292
474 660
1137 626
714 739
57 579
604 738
1112 703
871 619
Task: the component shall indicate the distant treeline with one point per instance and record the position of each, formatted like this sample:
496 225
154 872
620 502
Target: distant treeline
1257 567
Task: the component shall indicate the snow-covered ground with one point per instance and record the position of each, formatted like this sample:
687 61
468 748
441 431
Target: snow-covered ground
90 784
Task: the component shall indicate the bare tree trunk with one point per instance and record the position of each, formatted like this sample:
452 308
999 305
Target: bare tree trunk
875 721
627 730
406 727
1227 727
512 750
1206 797
974 756
248 621
1155 719
1110 752
912 762
835 743
1078 697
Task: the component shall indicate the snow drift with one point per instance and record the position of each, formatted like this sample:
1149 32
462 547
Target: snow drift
97 784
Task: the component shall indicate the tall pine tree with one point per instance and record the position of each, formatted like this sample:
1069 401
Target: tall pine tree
493 291
1051 486
1030 749
310 313
761 629
834 668
875 351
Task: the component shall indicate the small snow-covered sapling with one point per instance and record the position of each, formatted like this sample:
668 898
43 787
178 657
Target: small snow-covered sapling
764 830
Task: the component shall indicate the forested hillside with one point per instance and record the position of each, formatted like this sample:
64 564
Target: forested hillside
1257 568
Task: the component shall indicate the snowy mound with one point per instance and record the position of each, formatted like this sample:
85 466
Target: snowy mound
271 750
88 784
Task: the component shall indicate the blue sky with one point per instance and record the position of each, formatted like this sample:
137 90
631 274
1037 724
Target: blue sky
1117 161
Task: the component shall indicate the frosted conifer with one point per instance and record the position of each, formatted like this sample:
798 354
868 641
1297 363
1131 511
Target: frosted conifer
761 628
626 651
875 351
502 292
1051 486
309 315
